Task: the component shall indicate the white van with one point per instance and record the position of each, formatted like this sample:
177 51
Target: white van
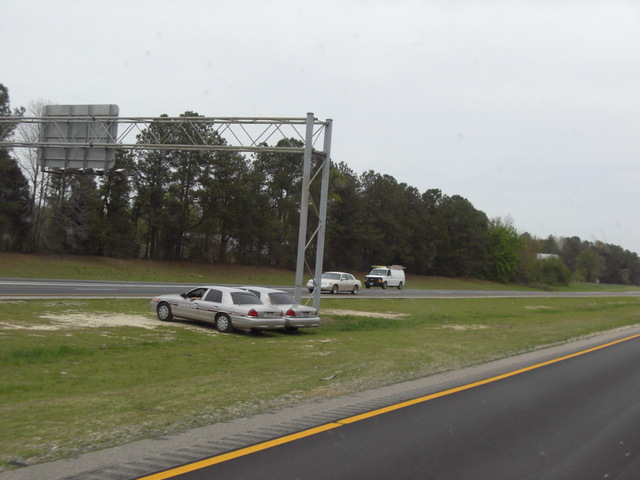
386 276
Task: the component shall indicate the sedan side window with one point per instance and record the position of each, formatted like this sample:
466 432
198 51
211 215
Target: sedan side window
196 294
214 296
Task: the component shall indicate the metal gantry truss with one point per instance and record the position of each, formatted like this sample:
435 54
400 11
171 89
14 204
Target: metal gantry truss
242 134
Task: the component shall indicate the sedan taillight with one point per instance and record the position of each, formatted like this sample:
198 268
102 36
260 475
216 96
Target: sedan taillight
291 313
252 313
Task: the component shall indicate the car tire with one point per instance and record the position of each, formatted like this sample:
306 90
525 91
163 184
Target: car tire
384 285
400 285
164 312
367 285
223 323
355 290
311 290
334 289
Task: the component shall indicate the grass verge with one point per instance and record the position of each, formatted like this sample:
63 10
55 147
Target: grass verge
80 375
75 267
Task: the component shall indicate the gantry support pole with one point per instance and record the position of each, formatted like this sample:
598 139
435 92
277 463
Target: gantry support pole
304 206
324 193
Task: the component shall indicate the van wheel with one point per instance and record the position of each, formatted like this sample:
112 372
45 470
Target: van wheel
400 285
384 285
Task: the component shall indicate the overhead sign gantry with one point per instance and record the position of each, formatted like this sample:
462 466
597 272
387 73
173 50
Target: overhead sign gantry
86 137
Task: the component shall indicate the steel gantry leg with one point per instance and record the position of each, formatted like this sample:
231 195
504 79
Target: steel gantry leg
304 206
324 193
322 214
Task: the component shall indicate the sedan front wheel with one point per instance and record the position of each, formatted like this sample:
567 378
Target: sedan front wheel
334 289
164 312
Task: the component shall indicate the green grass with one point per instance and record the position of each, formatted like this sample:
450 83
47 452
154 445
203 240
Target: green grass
69 385
73 267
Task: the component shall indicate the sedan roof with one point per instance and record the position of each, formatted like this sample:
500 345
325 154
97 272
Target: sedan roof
223 288
263 289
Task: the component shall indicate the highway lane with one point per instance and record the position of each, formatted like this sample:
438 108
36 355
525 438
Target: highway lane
51 288
576 418
14 288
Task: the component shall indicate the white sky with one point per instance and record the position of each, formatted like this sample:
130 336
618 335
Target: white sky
529 109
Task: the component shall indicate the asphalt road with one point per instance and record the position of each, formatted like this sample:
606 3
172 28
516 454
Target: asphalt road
575 419
15 288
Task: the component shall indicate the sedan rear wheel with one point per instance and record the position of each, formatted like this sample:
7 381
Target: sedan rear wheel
223 323
355 290
164 312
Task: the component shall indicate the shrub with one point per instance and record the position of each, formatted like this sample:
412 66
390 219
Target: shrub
551 271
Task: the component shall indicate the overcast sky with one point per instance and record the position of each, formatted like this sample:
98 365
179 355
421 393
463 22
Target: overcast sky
529 109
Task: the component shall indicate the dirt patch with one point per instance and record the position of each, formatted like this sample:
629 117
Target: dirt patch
465 327
358 313
68 321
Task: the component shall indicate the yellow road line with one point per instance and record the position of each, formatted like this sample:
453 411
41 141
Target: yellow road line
380 411
240 453
356 418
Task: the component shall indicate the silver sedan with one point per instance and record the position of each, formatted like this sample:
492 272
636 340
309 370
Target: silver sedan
225 307
335 282
295 315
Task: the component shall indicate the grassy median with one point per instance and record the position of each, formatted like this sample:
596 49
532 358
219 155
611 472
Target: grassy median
80 375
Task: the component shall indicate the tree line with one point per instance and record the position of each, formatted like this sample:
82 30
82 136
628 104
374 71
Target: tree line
226 207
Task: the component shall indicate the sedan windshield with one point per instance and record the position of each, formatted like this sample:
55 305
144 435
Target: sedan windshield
331 276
